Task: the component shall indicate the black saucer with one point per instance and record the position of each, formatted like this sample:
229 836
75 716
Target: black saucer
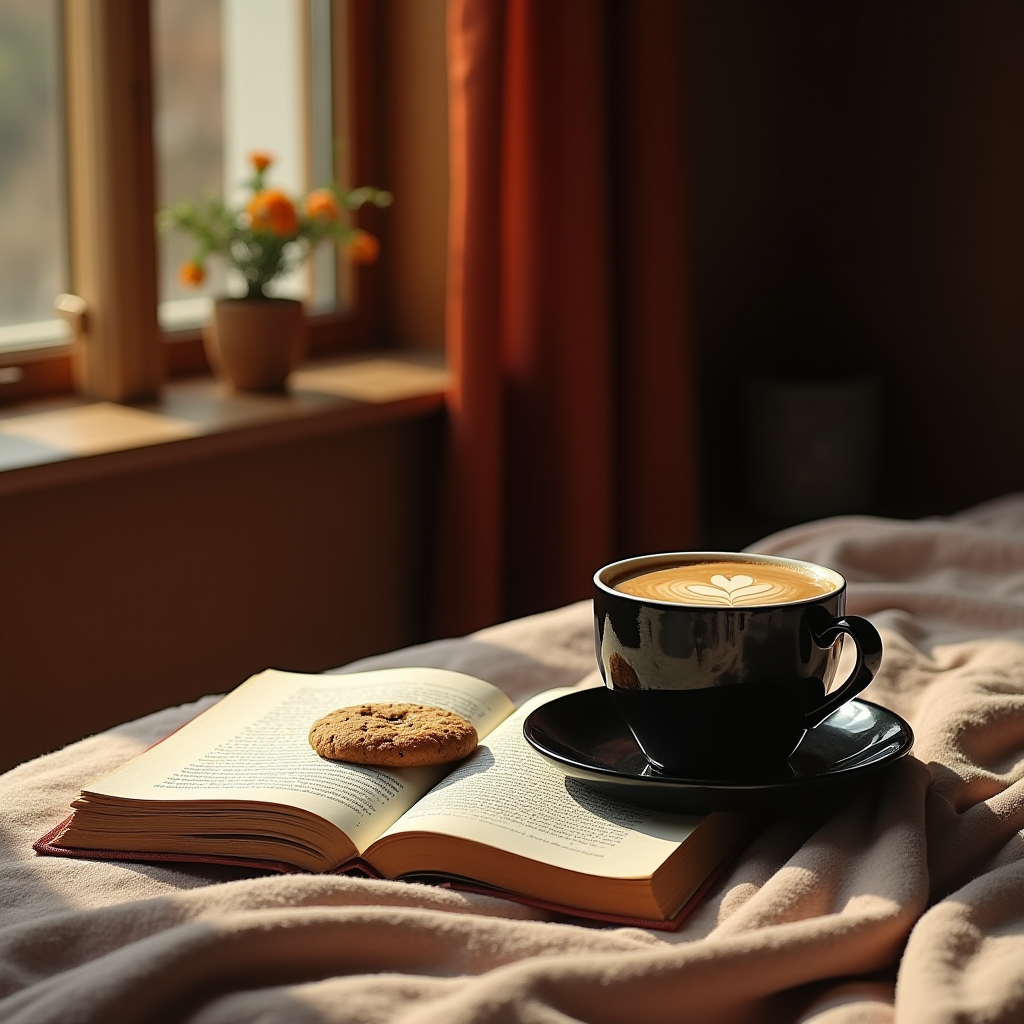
582 734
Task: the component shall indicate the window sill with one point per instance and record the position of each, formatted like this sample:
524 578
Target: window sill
45 444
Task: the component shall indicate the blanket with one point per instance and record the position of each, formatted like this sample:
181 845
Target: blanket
903 902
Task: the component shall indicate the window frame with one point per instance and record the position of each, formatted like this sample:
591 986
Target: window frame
118 351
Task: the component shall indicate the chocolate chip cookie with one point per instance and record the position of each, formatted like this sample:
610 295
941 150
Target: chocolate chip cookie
393 735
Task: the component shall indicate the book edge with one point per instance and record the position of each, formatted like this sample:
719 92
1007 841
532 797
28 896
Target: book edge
44 847
671 924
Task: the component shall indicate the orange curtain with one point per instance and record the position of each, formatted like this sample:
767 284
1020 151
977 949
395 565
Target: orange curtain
571 417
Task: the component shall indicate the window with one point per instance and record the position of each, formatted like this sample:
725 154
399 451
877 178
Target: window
188 131
135 140
232 76
33 211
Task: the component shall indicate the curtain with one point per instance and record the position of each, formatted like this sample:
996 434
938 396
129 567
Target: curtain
571 416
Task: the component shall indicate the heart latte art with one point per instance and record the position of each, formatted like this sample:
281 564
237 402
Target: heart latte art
728 584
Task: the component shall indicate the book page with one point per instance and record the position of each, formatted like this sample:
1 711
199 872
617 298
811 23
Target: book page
253 745
507 796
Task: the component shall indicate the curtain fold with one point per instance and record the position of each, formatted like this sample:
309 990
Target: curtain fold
571 428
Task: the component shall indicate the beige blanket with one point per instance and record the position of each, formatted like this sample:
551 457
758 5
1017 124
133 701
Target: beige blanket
906 903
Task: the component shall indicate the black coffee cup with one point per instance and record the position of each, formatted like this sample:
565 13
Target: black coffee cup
720 662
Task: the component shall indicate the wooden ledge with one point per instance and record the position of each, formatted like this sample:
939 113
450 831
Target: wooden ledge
57 442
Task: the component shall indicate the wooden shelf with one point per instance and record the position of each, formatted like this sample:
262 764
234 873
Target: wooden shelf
60 441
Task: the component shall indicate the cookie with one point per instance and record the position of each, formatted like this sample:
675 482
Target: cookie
393 735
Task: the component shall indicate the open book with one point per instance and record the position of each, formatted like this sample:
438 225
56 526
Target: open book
240 784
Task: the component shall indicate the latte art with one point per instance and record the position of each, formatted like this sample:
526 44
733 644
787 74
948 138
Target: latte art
727 584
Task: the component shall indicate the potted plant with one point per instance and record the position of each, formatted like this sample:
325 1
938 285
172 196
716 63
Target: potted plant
254 340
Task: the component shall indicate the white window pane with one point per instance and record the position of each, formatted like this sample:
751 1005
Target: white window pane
188 130
33 207
263 88
264 101
233 76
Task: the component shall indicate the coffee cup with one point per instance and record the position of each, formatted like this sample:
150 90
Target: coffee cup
720 662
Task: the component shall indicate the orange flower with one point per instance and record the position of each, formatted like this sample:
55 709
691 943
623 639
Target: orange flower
191 273
322 204
362 247
260 160
271 210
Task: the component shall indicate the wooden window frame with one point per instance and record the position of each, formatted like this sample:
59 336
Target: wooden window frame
118 351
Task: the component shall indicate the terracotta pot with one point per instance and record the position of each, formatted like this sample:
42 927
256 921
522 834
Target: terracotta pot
253 344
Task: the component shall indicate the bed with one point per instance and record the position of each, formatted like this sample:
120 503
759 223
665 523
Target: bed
903 902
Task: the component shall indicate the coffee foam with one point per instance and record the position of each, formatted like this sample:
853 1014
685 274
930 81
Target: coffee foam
726 584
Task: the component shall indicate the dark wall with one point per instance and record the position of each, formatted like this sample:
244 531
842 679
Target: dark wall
122 595
857 197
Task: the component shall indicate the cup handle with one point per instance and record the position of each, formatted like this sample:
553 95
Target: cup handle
869 657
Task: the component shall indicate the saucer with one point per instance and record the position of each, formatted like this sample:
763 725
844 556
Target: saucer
583 736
